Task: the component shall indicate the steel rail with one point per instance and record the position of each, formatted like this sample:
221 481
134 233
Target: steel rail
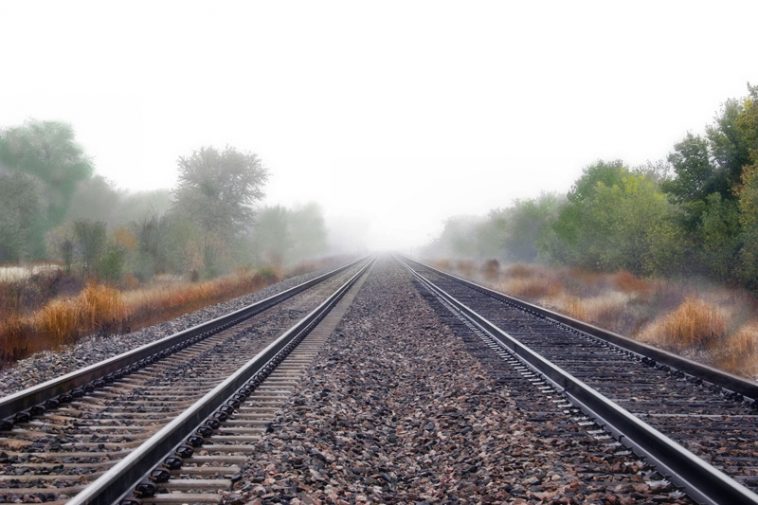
703 482
20 406
116 483
721 378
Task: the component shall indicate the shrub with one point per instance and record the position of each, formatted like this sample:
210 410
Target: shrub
491 268
627 282
694 324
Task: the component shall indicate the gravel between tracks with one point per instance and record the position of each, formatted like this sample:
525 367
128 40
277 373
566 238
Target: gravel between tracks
46 365
395 410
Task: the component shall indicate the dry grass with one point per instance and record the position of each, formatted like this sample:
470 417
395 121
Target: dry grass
710 323
695 324
627 282
491 269
739 351
529 289
96 309
100 309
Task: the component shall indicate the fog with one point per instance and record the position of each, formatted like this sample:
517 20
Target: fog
392 116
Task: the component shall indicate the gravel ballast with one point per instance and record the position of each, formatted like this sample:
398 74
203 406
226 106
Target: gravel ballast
396 410
46 365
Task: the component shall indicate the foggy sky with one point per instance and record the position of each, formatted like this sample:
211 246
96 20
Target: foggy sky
392 115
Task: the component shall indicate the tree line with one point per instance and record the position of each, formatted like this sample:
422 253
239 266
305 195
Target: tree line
53 207
696 212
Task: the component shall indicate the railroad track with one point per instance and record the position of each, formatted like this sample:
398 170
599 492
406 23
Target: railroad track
92 435
697 426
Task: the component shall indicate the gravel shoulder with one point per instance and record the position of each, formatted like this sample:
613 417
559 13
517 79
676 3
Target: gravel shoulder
46 365
396 410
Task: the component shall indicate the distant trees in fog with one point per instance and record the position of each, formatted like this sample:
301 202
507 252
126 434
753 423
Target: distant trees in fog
52 208
696 212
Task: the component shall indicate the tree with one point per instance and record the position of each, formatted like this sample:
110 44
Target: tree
695 177
748 206
110 265
272 235
91 239
218 188
573 232
21 218
308 232
216 192
47 151
95 197
527 224
719 233
609 224
729 147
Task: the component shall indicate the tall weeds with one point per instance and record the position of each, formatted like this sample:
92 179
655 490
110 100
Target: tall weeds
706 322
695 324
99 309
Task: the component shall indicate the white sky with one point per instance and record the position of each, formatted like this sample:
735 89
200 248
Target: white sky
392 115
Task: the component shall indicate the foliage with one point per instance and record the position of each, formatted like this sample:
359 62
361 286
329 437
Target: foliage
110 266
696 213
218 188
47 151
90 240
606 223
21 219
748 206
528 225
272 235
282 236
308 232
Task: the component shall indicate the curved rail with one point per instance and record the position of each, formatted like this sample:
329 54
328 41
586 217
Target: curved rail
724 379
703 482
113 485
20 406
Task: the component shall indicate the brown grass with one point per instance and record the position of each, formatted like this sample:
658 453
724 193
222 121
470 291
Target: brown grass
695 324
529 289
710 323
466 267
99 309
740 351
627 282
491 269
520 270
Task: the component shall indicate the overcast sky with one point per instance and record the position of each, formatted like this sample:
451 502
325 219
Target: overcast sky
392 115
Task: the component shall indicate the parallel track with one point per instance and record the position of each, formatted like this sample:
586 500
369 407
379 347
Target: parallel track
719 425
50 451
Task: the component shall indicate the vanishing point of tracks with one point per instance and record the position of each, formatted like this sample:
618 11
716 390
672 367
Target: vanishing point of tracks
174 421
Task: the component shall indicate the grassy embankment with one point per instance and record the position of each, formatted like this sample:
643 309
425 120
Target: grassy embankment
708 323
100 309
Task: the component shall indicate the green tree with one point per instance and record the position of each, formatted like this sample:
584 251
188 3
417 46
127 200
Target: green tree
272 235
21 218
608 224
91 239
719 234
571 229
308 232
152 249
527 225
216 192
491 234
729 146
47 151
110 264
748 206
218 188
